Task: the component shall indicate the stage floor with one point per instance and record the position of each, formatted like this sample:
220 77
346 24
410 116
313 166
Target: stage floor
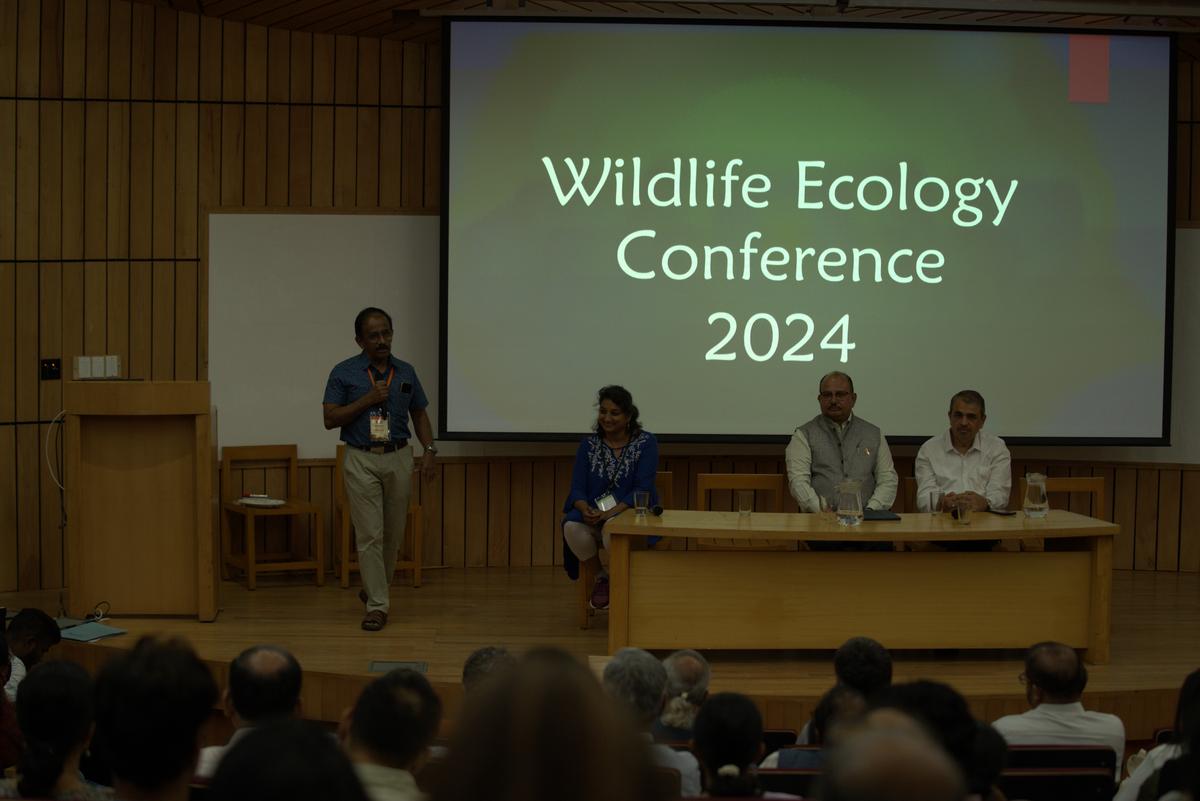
1155 643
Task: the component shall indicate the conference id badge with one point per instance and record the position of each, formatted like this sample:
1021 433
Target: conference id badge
605 502
379 426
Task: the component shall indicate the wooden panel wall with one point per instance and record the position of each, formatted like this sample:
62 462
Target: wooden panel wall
120 123
505 511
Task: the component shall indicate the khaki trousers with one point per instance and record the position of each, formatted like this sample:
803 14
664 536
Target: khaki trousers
377 490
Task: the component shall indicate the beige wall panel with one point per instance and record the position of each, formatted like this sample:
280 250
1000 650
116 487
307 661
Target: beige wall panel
96 203
29 16
163 199
51 49
8 498
25 322
49 311
322 68
300 153
431 512
186 189
50 180
8 178
95 312
166 53
256 63
74 47
208 173
477 514
141 181
345 152
345 70
520 525
96 78
28 508
8 49
72 180
1189 523
391 156
254 180
498 510
454 521
368 71
321 177
277 155
27 179
140 313
141 62
210 58
119 167
232 153
187 326
300 86
120 31
391 72
162 322
1145 530
233 60
72 314
278 65
367 151
116 302
187 80
50 535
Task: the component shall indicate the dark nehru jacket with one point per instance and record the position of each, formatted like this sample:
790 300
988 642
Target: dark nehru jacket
838 455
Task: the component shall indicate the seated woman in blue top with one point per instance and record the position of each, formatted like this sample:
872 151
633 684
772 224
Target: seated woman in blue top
620 458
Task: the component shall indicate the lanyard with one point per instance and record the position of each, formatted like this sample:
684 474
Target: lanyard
371 376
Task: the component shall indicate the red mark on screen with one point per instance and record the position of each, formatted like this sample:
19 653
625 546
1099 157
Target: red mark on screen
1087 69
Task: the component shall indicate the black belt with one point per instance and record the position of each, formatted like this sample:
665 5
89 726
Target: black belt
388 448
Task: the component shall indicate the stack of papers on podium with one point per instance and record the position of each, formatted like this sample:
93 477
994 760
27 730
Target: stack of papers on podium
90 632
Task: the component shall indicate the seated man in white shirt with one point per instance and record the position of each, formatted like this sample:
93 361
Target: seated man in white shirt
1054 680
390 729
964 464
638 681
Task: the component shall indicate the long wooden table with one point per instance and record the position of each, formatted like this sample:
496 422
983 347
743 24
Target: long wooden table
756 599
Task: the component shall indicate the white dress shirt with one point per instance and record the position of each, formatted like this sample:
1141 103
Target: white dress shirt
1064 724
799 468
986 468
683 761
210 755
382 783
1158 756
18 673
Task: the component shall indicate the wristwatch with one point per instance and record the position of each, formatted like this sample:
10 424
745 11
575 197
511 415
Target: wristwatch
430 448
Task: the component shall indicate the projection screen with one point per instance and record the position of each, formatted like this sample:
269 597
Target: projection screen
715 216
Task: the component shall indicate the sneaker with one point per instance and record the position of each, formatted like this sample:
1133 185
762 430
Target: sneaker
600 593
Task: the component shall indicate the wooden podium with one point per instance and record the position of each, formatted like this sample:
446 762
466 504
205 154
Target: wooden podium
139 477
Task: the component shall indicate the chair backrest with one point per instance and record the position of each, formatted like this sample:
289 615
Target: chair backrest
774 739
668 782
243 456
795 782
773 483
1062 756
1057 784
1092 485
664 482
908 494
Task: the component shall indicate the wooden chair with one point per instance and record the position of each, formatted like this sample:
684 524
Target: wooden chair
1062 756
908 494
347 554
775 739
795 782
664 484
774 485
251 560
1092 485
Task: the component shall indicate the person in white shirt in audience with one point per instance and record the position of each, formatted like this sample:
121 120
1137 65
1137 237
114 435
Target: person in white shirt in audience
688 674
264 685
1187 726
390 729
1054 681
639 682
31 633
837 445
964 462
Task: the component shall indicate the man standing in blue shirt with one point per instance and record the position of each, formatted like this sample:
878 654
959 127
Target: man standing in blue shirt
370 397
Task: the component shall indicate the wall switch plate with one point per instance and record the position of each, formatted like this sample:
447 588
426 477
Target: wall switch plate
51 369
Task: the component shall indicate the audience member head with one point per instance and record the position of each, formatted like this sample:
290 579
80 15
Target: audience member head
545 731
728 740
889 764
31 633
292 759
687 687
1054 674
150 704
863 664
485 663
989 756
1187 709
394 721
55 711
840 705
623 400
638 681
941 710
264 684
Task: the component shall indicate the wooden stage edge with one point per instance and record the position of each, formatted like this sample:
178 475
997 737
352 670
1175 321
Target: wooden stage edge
1155 643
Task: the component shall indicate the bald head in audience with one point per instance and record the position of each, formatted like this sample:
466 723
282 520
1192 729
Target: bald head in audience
890 763
1054 674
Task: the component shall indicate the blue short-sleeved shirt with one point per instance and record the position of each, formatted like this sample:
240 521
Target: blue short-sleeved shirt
350 380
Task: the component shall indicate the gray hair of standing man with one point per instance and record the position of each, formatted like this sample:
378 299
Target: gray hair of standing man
638 681
688 674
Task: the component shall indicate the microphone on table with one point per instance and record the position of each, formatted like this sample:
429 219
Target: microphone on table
656 510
